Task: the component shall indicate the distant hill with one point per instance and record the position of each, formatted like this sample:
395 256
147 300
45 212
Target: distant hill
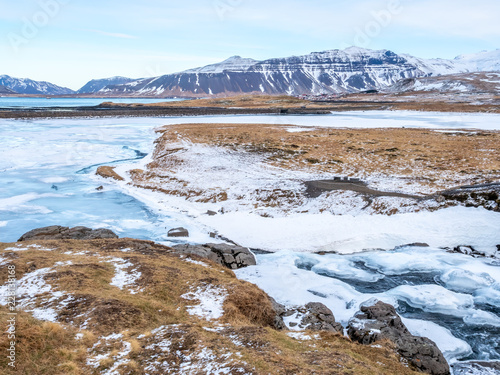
29 86
463 83
96 85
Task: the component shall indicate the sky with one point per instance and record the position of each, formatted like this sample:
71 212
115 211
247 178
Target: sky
69 42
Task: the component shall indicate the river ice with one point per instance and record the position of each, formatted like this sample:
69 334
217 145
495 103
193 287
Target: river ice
47 173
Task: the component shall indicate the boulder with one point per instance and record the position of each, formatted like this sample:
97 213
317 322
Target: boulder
318 317
178 232
379 321
230 256
57 232
314 316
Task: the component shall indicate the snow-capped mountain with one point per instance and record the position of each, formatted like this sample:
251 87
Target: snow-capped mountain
233 64
28 86
336 71
95 85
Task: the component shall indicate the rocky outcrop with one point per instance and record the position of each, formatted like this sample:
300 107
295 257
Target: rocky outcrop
481 195
57 232
314 316
230 256
470 250
379 321
178 232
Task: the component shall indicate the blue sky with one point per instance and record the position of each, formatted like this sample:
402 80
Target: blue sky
69 42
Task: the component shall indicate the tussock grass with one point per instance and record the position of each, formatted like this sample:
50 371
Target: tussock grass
107 329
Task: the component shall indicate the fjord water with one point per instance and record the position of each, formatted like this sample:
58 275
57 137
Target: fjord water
40 102
47 177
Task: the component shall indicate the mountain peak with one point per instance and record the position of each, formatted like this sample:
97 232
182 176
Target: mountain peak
234 64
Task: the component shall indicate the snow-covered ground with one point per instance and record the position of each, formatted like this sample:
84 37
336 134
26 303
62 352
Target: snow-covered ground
47 174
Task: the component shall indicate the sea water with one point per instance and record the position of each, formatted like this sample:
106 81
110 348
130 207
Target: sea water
40 102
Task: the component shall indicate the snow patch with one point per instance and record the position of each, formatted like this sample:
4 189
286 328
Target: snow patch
211 300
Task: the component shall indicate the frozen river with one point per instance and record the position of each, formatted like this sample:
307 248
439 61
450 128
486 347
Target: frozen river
47 177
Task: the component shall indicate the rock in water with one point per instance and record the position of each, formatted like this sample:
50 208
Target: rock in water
380 321
178 232
57 232
229 256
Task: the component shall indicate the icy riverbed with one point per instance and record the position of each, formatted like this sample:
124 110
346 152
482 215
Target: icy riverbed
453 299
47 173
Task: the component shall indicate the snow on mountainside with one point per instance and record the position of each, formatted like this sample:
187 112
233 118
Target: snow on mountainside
233 64
6 90
98 84
335 71
470 83
28 86
481 62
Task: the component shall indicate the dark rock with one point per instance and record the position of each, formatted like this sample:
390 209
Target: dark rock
481 195
380 322
211 213
230 256
414 244
320 318
469 250
280 311
178 232
314 316
57 232
100 188
476 367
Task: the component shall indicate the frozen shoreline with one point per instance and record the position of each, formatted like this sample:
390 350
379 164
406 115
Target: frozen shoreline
66 146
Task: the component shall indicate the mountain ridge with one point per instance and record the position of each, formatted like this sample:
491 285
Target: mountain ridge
353 69
29 86
334 71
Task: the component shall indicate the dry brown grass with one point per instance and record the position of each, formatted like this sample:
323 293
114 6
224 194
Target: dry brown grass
42 348
52 348
108 172
437 160
239 101
418 101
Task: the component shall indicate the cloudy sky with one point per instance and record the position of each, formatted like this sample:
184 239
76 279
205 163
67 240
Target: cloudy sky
69 42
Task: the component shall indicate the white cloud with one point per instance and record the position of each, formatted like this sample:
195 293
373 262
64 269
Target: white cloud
472 19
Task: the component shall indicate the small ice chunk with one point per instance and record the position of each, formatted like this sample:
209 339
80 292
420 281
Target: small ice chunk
465 281
490 295
433 298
